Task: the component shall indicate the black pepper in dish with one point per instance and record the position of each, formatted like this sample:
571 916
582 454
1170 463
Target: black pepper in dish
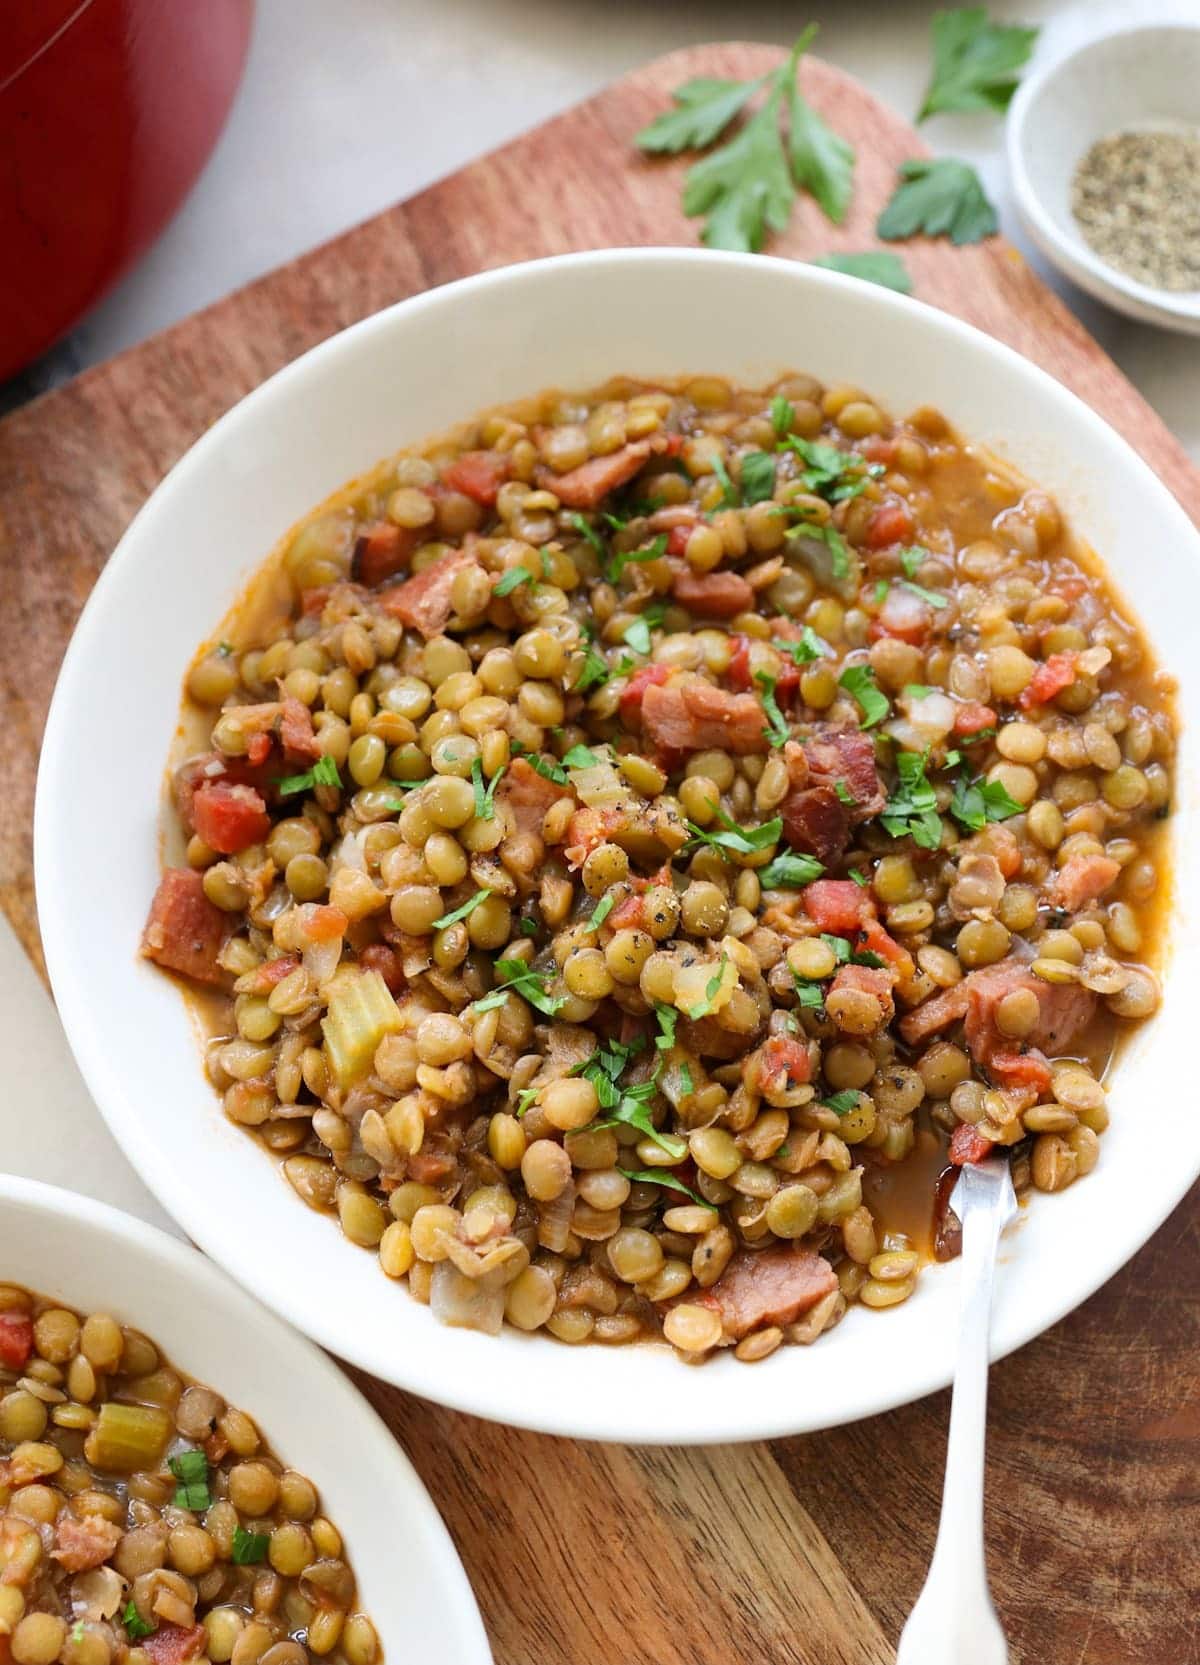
1136 198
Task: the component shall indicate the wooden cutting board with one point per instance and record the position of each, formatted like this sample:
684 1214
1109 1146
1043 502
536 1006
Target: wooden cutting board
807 1551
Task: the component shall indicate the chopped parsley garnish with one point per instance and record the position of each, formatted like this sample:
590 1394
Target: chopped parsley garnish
77 1631
618 523
652 1176
840 945
810 995
588 531
547 767
485 791
782 412
508 581
758 476
977 802
859 683
841 1103
711 990
580 757
667 1017
135 1626
529 927
785 1150
224 649
930 597
190 1469
790 870
976 63
627 1106
525 1097
912 559
743 841
859 877
839 554
249 1548
844 793
618 562
916 691
638 635
324 772
912 811
463 912
829 473
777 730
521 979
595 671
600 913
938 195
730 496
882 586
951 759
809 647
685 1078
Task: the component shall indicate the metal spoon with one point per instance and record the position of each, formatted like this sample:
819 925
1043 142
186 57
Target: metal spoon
954 1621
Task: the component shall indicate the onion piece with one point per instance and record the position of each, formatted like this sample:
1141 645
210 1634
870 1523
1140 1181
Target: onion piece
465 1303
599 785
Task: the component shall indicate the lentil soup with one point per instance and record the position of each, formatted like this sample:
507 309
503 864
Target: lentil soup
143 1520
632 846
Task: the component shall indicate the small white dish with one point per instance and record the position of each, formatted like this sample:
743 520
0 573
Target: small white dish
92 1258
1138 78
392 380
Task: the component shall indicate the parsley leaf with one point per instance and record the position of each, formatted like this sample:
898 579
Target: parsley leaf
630 1108
249 1547
653 1176
882 586
667 1017
485 792
522 979
190 1469
742 841
758 476
638 635
911 559
730 496
324 772
975 803
836 544
822 161
931 598
526 1096
832 474
777 730
580 757
841 1103
743 189
588 531
461 913
840 945
810 994
844 793
859 683
704 107
916 691
508 581
782 412
711 990
938 196
595 672
135 1626
875 266
911 811
600 913
790 870
860 878
685 1078
809 647
625 557
976 63
547 767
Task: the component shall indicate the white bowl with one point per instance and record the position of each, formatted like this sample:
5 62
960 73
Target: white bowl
90 1257
1135 78
391 380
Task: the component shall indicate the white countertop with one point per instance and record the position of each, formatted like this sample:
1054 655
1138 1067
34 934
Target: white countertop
350 106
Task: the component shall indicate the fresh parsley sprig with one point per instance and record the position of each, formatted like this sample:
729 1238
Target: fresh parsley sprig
658 1176
859 683
939 196
790 870
976 63
743 841
520 978
778 730
873 266
324 772
976 802
911 811
485 791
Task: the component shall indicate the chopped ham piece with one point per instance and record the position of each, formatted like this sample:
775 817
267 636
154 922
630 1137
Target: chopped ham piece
1021 1072
172 1644
837 905
848 755
634 692
585 486
816 822
1082 879
527 795
690 715
381 551
771 1287
1065 1010
185 931
230 818
82 1544
873 980
713 595
478 474
296 731
423 601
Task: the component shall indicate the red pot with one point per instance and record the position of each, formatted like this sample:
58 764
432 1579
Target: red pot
108 111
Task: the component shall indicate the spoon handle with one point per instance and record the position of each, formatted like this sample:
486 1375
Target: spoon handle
954 1620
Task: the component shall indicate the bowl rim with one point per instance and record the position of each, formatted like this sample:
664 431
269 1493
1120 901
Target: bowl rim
475 1392
1071 254
182 1265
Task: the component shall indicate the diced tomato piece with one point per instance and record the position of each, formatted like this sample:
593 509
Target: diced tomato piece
876 449
837 905
325 923
635 689
714 595
784 1060
1021 1069
673 445
171 1644
16 1339
272 972
972 718
230 818
629 914
739 664
478 474
258 749
1049 680
968 1146
677 539
313 601
876 941
1070 589
891 523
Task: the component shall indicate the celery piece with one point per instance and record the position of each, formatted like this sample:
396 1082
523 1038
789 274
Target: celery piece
361 1012
128 1438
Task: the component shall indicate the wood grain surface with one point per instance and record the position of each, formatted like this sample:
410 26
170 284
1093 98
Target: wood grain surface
807 1551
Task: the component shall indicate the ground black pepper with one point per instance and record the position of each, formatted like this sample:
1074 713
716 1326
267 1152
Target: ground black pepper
1136 198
